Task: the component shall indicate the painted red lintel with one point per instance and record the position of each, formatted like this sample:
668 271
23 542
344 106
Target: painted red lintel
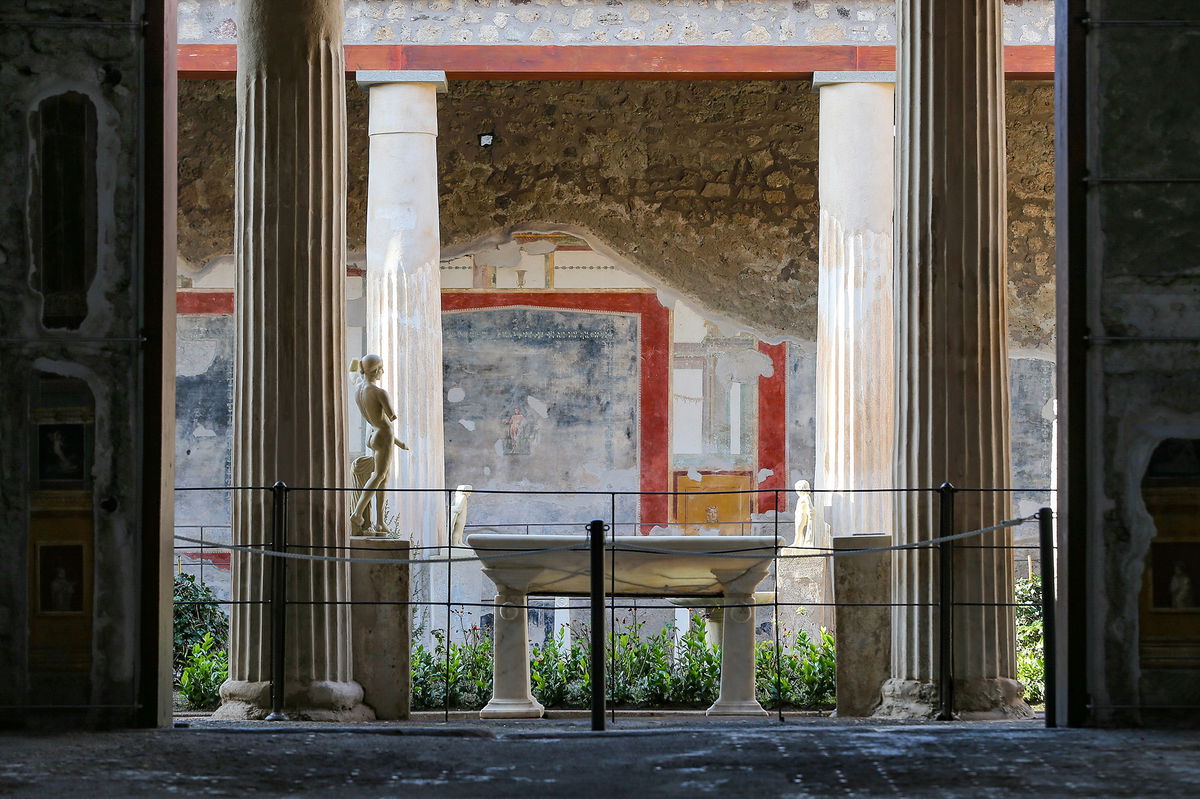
203 302
772 428
655 400
614 62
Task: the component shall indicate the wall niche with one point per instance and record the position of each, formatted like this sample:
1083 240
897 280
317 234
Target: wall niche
1170 597
61 539
62 211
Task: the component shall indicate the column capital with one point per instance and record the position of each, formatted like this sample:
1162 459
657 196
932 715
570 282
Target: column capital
820 79
375 77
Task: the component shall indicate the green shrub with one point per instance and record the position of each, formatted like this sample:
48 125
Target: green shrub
194 621
697 676
561 671
206 668
666 669
1031 667
804 674
464 669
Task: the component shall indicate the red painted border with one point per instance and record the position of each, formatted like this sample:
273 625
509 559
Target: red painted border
620 62
654 446
772 427
203 302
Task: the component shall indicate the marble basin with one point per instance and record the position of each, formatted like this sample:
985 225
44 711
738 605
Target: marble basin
677 566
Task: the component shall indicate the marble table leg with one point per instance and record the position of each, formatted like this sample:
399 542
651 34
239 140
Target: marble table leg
737 660
511 697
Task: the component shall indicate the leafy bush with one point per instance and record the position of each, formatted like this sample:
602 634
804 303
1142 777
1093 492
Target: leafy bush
464 669
804 674
1031 667
561 671
206 668
666 669
194 621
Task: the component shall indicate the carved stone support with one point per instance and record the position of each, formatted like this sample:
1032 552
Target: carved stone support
952 391
289 385
511 696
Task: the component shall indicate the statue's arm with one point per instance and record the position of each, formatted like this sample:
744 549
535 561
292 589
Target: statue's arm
385 405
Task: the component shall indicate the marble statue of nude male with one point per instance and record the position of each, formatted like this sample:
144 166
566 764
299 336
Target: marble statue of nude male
371 471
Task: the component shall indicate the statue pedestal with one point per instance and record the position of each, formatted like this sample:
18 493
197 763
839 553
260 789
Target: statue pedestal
381 633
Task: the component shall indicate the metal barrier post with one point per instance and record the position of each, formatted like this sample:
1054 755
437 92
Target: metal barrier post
279 493
946 604
596 535
1049 629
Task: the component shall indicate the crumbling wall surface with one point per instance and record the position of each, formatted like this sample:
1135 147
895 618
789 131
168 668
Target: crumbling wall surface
1030 144
203 417
709 188
101 62
1143 376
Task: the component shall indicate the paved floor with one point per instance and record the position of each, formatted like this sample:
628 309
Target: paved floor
642 758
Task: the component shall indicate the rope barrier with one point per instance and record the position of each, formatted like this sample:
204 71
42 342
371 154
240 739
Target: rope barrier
499 554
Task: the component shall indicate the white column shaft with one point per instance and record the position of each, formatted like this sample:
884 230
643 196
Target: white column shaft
855 385
403 288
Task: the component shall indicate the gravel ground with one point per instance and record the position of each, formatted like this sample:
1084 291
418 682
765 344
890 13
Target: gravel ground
663 757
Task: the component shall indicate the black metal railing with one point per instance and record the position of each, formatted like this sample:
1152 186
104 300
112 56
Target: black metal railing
601 539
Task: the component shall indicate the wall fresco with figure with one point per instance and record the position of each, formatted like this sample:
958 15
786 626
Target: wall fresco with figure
526 387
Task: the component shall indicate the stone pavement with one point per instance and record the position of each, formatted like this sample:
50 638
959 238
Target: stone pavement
662 757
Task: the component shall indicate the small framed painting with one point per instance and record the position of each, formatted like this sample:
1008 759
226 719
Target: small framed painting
62 457
60 578
1176 575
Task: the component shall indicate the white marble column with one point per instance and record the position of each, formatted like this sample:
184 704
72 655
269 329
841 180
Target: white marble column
952 412
289 387
403 287
855 394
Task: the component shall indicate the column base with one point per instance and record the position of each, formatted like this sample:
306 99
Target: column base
974 700
742 708
512 709
243 700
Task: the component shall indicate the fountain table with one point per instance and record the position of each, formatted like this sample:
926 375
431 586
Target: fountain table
704 567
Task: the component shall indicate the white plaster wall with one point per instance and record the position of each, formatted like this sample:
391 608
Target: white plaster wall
625 22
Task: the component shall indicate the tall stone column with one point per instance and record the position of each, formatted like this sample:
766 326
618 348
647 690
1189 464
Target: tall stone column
952 411
403 287
289 376
855 371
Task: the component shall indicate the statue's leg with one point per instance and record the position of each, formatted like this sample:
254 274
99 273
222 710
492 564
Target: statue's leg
382 461
380 500
371 491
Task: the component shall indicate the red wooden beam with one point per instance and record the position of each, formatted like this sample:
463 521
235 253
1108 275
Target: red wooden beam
613 62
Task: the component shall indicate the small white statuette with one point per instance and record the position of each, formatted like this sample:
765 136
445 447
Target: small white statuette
371 471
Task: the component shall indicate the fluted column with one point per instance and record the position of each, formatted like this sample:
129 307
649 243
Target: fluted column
289 394
403 287
952 411
855 371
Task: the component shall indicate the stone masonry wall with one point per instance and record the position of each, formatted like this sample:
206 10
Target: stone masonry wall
624 22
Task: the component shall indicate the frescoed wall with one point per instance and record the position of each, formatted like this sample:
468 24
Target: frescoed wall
526 385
